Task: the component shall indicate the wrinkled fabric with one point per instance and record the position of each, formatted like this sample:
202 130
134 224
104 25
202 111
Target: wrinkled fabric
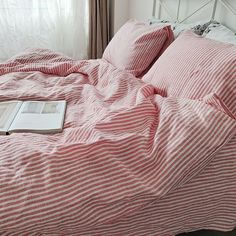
124 150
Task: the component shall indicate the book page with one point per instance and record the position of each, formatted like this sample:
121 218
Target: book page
8 112
40 116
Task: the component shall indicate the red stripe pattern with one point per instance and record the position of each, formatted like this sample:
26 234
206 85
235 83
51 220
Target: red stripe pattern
129 162
194 67
137 45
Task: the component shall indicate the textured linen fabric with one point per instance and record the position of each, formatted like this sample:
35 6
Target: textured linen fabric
195 67
128 162
136 45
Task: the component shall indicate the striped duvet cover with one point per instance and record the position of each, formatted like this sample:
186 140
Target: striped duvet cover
129 162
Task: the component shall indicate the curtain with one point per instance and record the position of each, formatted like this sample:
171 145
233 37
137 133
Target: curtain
100 26
60 25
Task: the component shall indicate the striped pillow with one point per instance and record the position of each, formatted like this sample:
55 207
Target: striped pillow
136 45
195 67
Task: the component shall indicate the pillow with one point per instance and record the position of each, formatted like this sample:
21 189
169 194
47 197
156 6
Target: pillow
221 33
136 45
197 27
194 67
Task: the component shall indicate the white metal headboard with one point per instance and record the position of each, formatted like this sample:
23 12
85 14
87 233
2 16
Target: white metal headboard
177 17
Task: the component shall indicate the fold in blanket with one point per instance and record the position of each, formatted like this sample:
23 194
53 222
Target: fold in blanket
123 146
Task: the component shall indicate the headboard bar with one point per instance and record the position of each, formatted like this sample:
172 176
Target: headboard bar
178 11
159 9
199 9
214 10
228 7
154 8
161 4
215 3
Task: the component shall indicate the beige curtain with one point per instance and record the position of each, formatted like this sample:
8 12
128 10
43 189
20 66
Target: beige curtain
100 26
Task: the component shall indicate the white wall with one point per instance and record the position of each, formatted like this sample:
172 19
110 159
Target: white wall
121 13
142 10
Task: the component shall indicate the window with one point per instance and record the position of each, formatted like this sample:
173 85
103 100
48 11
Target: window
60 25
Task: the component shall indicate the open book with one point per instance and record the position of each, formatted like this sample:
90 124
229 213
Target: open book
32 116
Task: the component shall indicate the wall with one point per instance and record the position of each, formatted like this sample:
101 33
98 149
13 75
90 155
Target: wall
142 10
126 9
121 13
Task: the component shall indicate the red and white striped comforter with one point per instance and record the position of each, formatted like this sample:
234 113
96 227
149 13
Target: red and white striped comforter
129 162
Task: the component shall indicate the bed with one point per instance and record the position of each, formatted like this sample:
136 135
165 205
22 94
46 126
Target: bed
148 146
